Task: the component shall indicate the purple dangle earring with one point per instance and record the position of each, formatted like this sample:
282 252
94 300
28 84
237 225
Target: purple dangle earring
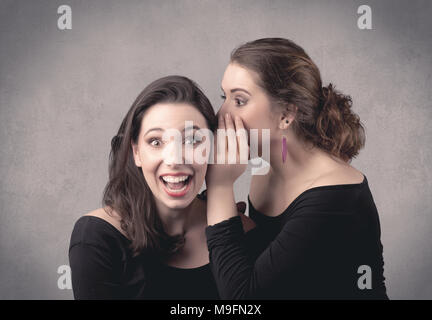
284 147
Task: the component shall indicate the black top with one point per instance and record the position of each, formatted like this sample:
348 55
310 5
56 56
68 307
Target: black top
313 250
103 268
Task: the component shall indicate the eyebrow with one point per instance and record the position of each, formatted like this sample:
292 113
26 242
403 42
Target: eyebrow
160 129
153 129
194 127
237 89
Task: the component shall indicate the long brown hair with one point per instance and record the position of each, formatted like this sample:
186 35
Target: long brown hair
290 78
127 191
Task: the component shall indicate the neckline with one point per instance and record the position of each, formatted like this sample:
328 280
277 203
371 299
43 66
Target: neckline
107 223
313 189
124 237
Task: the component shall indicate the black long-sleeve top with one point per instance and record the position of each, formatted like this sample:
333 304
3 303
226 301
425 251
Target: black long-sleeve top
103 267
313 250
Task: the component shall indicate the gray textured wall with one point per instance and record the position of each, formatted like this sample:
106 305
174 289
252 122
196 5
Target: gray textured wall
64 93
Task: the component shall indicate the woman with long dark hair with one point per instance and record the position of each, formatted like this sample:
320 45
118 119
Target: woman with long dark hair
318 231
148 240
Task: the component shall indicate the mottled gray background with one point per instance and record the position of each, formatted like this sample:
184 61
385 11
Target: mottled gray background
63 95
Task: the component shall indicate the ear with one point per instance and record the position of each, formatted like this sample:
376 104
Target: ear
287 116
136 156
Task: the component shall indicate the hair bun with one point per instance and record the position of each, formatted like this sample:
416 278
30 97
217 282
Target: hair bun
327 89
328 94
338 126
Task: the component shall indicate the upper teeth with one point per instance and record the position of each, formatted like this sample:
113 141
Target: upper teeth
174 179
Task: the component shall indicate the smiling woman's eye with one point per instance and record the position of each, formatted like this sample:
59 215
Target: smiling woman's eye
223 97
154 142
192 140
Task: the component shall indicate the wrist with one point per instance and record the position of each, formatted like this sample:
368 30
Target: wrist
220 188
220 204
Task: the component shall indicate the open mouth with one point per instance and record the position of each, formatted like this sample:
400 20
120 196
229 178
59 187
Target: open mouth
176 185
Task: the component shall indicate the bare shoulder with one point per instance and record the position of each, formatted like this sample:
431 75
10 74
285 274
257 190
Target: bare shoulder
109 216
341 174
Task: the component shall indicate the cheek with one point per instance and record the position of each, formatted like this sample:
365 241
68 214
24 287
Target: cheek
257 120
200 172
258 117
149 165
251 120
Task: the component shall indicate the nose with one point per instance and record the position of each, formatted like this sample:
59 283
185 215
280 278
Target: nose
173 154
222 110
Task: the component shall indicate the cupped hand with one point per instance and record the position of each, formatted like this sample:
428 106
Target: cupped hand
231 153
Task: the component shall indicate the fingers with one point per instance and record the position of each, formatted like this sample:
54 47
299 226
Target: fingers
221 144
221 122
231 139
234 142
242 140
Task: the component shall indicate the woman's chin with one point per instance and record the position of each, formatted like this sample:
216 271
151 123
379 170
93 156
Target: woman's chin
178 204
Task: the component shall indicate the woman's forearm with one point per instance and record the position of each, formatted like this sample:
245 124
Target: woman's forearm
220 203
